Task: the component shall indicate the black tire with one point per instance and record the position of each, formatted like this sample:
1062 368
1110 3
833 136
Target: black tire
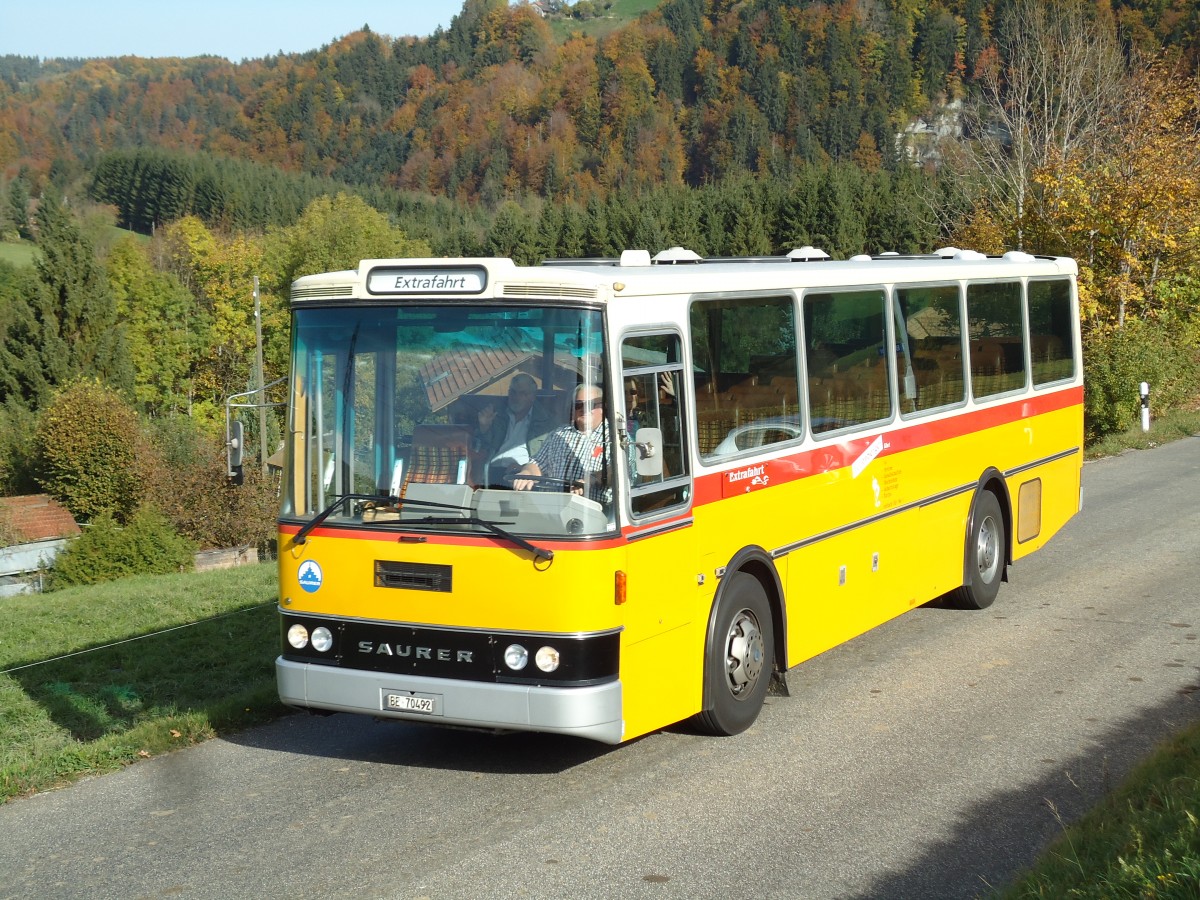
985 554
739 658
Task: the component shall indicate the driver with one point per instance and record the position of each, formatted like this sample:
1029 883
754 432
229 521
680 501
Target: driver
576 454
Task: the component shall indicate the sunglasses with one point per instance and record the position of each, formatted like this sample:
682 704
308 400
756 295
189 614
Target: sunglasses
581 405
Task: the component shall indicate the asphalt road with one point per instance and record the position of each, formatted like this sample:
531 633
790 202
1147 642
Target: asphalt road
931 758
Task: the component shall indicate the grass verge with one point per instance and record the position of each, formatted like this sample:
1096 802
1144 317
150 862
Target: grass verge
1172 426
1143 840
98 677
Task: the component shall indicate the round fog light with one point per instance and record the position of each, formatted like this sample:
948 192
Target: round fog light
297 636
322 639
515 657
547 659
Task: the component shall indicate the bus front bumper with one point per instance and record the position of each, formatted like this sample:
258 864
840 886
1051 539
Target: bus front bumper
592 712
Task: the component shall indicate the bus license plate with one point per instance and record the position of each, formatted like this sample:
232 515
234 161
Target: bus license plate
412 703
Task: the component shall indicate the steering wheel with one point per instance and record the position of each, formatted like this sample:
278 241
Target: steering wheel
547 483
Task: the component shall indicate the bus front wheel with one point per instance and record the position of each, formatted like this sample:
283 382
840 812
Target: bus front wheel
739 658
985 554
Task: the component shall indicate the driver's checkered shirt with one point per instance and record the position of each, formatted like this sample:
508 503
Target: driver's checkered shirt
573 455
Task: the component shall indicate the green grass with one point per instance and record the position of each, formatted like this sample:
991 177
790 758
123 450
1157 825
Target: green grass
1143 840
1169 427
23 253
619 14
98 677
19 253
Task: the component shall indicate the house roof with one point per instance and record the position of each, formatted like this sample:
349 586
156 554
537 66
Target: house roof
38 517
457 372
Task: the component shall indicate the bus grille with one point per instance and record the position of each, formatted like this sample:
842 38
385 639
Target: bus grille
413 576
323 290
549 291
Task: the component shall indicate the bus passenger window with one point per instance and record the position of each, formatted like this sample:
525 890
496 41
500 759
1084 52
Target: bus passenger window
995 347
1050 331
849 380
929 347
745 374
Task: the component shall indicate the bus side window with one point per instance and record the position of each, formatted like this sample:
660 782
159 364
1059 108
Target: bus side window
1050 331
745 374
929 337
996 347
849 379
653 420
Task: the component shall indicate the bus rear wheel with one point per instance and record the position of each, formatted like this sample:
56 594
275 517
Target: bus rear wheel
985 554
739 658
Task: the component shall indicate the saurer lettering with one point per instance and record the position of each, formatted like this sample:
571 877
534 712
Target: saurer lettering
441 654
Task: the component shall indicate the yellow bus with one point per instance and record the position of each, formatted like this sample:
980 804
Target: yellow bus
598 497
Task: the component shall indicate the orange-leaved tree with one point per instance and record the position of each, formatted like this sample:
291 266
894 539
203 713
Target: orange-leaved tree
1131 211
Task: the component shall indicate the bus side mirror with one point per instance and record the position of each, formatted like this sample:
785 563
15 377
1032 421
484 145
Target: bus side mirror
648 447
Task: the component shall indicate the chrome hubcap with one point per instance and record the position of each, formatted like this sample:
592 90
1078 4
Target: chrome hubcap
987 550
744 653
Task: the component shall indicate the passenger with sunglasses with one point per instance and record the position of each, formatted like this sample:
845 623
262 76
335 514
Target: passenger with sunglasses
577 456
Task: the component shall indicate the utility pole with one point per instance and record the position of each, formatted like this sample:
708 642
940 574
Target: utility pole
262 383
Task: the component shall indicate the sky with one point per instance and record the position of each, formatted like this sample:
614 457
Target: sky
235 29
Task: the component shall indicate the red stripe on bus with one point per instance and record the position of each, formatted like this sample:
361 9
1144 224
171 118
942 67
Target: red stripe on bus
748 475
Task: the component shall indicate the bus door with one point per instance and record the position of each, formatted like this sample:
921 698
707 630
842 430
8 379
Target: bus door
663 598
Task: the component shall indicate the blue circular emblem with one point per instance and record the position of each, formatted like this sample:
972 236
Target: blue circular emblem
310 576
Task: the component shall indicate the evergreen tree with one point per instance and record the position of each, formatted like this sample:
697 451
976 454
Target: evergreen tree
511 235
18 207
548 233
573 236
78 330
20 370
69 327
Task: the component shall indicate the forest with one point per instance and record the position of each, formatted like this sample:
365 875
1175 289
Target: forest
155 191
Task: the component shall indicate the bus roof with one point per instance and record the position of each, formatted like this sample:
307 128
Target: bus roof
675 271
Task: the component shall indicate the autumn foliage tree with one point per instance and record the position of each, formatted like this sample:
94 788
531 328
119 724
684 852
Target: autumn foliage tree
1130 212
219 272
89 446
494 107
1044 91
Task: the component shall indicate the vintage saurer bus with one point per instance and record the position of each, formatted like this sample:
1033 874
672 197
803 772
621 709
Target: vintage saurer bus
597 497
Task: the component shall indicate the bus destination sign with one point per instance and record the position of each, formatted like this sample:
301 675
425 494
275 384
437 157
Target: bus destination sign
427 280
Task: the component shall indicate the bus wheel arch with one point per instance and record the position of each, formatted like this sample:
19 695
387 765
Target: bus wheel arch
987 550
744 644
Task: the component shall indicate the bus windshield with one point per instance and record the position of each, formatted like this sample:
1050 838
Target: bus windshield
451 418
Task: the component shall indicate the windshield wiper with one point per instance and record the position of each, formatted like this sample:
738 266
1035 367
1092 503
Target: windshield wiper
538 552
302 535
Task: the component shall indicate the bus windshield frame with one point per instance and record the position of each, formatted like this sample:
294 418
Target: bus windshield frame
411 415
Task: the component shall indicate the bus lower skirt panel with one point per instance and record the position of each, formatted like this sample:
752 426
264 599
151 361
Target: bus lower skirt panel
592 712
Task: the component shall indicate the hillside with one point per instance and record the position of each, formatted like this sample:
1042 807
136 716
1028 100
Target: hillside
505 103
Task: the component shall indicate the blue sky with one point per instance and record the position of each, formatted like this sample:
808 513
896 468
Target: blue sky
235 30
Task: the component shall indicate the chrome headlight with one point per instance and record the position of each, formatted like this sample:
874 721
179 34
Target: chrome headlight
547 659
297 636
322 639
515 657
